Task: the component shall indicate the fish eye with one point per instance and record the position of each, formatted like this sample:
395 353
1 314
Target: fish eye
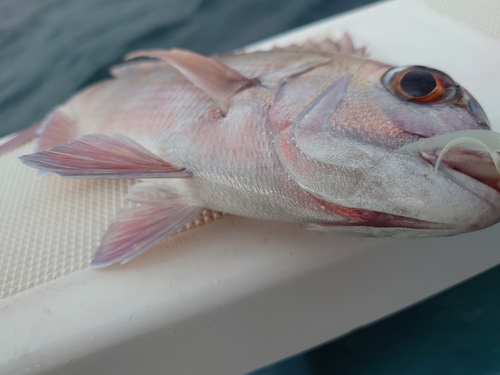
419 84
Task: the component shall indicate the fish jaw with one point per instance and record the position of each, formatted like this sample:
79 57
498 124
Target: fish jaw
377 180
369 223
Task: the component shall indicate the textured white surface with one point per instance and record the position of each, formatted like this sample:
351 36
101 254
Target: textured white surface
51 226
482 15
236 294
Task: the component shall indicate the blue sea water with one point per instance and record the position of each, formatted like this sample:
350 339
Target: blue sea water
456 332
49 49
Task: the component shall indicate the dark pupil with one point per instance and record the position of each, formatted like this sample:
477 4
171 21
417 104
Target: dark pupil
418 83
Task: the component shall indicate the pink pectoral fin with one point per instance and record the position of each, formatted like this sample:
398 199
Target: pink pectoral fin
103 156
137 229
130 68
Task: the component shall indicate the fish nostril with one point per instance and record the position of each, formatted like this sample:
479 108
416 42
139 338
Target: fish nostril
478 113
484 125
473 108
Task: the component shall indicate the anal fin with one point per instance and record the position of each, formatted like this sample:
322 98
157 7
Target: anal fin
137 229
103 156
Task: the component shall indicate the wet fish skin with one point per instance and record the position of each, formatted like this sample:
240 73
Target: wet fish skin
298 136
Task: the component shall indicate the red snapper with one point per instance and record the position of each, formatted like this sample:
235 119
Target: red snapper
301 135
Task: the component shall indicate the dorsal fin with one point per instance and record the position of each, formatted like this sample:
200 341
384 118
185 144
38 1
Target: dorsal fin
217 80
343 45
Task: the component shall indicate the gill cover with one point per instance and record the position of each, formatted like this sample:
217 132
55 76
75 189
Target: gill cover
332 167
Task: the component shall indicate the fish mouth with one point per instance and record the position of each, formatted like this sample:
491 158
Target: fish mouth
471 152
476 164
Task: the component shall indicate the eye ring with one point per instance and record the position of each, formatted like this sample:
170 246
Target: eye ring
419 84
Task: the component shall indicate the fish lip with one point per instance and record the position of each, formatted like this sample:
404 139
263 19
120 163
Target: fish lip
432 156
488 195
492 180
484 192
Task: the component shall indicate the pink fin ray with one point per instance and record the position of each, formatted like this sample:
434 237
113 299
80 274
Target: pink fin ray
103 156
130 68
217 80
291 70
137 229
57 128
343 45
20 138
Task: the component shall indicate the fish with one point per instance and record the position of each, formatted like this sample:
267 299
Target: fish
316 134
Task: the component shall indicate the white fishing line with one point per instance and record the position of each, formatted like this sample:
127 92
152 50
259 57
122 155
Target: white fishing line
469 139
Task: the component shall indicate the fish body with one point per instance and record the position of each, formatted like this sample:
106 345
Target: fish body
236 168
298 136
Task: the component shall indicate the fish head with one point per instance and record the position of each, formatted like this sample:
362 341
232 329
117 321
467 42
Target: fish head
350 158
